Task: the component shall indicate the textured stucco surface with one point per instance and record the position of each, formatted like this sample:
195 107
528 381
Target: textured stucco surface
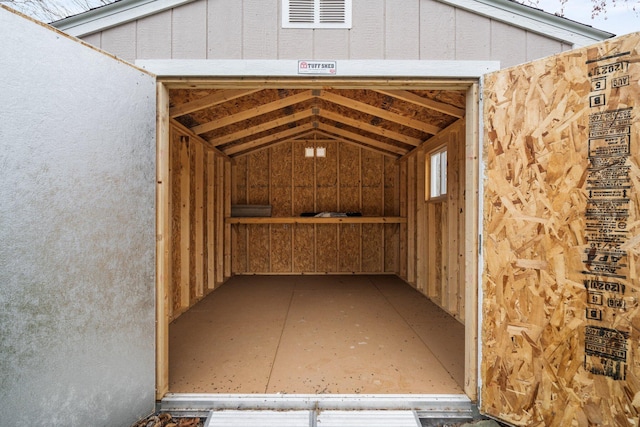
77 214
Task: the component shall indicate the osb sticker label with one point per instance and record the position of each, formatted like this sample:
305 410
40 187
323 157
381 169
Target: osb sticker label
608 187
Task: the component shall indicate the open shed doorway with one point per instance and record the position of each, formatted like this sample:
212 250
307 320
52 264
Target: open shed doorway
262 303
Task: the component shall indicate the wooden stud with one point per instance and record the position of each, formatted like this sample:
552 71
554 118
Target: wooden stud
199 219
185 221
163 242
211 219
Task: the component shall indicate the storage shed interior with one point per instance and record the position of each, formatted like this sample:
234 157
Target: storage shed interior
358 152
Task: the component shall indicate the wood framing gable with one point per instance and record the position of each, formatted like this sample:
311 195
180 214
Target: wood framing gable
393 122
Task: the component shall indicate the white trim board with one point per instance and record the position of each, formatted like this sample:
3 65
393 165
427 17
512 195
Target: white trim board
507 11
534 20
289 68
112 15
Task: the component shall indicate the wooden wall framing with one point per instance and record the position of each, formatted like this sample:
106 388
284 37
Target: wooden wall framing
199 196
348 179
435 235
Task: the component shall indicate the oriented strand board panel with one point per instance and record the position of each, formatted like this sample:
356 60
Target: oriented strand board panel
327 248
258 247
303 181
304 244
349 249
281 259
258 178
372 247
327 179
560 239
349 171
372 183
281 180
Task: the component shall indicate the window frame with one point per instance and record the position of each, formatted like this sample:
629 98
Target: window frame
436 174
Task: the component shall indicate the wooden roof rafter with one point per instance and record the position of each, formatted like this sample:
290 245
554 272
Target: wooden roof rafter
269 139
252 112
405 95
208 101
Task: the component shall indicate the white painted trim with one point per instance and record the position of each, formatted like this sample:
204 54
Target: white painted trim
289 68
534 20
112 15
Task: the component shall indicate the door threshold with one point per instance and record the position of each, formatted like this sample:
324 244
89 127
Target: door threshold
445 406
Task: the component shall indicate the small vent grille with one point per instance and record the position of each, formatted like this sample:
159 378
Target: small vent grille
316 13
332 11
302 11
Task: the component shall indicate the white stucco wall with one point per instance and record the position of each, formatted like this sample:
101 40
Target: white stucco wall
77 215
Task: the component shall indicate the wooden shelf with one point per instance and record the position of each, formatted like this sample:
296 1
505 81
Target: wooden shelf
314 220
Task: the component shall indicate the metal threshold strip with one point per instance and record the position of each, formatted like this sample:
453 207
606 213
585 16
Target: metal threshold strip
439 406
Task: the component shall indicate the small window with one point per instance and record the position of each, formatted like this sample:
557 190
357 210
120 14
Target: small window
438 173
316 13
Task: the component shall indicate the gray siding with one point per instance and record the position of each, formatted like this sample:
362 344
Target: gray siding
382 29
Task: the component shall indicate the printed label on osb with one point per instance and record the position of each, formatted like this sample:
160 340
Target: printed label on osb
606 352
608 187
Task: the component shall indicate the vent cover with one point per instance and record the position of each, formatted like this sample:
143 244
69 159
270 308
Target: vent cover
316 13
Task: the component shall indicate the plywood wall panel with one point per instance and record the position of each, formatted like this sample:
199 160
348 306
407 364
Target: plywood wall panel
282 180
258 178
561 200
327 180
240 186
281 248
326 248
372 247
258 247
372 183
349 173
391 248
336 183
304 244
349 248
303 181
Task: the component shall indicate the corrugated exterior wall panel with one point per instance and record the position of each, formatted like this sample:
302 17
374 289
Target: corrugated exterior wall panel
382 29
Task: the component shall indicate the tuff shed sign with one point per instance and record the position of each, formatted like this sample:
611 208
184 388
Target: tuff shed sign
317 67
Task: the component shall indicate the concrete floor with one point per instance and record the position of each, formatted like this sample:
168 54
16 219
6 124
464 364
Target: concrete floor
316 334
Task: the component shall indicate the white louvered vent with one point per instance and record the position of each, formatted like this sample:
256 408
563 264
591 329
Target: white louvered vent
316 13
